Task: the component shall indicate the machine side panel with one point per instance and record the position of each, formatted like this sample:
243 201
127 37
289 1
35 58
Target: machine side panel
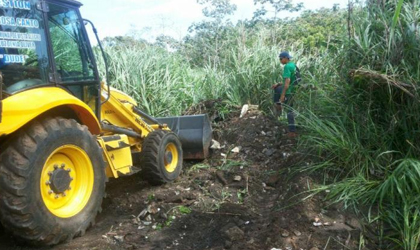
21 108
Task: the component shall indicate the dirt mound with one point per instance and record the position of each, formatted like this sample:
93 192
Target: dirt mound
242 197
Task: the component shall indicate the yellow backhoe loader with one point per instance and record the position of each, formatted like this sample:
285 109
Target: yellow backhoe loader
63 132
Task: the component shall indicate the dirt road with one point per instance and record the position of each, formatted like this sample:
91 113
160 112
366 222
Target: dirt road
243 197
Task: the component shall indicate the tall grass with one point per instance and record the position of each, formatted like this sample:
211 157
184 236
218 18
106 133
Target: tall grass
161 82
164 83
368 141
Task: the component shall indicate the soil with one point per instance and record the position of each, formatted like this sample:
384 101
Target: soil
244 196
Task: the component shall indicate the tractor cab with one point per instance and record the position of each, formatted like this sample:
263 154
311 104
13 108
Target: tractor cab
44 43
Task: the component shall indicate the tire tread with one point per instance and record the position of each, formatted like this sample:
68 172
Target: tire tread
16 211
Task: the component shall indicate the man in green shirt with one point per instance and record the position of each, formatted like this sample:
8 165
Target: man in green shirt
283 94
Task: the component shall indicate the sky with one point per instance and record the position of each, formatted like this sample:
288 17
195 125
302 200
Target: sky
149 18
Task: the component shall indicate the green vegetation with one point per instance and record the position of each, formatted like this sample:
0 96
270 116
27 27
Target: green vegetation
184 210
359 104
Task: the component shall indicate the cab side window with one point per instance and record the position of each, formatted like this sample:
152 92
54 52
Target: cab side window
71 54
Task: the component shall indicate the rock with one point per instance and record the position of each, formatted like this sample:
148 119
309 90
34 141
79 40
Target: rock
285 234
297 233
235 234
237 178
147 223
119 239
236 150
269 152
215 145
314 248
317 224
244 110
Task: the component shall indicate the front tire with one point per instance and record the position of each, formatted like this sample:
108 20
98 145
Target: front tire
161 157
52 181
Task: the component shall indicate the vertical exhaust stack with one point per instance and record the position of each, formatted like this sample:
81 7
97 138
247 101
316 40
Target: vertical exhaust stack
194 132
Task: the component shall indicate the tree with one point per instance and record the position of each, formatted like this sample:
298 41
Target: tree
218 9
123 41
278 5
209 34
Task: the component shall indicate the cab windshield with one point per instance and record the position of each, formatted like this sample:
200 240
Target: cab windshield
24 61
24 57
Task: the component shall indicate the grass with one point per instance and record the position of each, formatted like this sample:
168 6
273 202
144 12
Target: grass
198 167
228 164
363 130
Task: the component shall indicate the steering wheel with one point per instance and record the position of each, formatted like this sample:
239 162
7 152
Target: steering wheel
23 85
29 62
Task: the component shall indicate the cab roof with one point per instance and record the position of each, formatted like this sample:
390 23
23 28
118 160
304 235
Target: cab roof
71 2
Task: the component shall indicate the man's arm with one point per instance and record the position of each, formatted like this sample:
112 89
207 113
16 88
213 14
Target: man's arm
286 86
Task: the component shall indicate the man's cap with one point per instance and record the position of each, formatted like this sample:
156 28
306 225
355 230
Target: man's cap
285 54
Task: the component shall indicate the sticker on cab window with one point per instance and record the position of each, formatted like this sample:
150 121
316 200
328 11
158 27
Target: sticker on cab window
15 4
6 58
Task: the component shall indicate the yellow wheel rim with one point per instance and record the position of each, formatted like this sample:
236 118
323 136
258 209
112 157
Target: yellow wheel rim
67 180
171 157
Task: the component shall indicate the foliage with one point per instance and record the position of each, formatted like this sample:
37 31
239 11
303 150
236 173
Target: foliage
209 34
367 140
184 210
161 82
278 5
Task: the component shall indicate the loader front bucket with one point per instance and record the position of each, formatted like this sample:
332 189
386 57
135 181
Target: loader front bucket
194 132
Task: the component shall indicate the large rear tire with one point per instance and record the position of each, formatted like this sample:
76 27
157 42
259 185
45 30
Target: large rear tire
161 157
52 181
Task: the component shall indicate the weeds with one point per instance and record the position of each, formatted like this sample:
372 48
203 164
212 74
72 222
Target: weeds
229 164
184 210
198 167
